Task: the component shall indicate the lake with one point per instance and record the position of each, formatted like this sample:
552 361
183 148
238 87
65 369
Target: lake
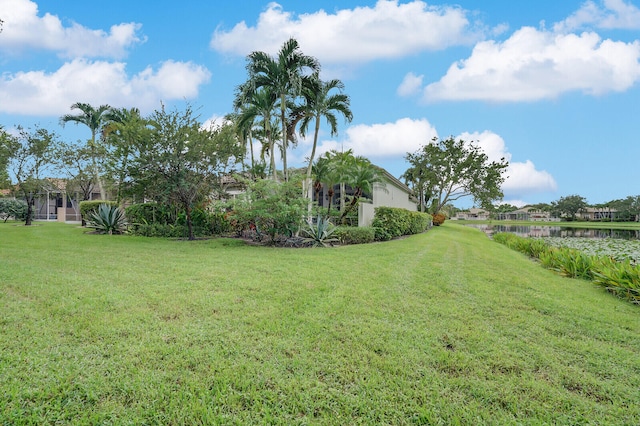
559 231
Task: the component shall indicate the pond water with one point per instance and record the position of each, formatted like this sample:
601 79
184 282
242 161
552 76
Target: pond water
559 231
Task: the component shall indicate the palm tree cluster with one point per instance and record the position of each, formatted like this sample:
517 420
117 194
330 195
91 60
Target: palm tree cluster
283 96
342 170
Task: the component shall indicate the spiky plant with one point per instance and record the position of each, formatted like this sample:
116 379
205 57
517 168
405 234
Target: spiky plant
320 234
108 220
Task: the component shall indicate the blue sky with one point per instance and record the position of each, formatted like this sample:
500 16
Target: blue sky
552 86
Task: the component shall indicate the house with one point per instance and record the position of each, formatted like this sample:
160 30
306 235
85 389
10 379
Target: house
605 214
56 203
472 214
527 213
391 193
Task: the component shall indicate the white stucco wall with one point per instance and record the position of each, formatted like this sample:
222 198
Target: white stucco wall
390 195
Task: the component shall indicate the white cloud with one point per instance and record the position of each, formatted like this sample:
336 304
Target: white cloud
386 30
99 82
385 140
410 85
24 29
611 14
214 122
522 178
536 64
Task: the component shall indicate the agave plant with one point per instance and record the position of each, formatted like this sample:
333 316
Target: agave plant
108 220
320 234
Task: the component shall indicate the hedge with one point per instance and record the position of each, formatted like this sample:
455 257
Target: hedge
392 222
355 235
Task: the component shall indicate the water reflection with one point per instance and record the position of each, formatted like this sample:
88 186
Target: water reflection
558 231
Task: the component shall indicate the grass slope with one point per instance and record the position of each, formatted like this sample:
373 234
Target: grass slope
446 327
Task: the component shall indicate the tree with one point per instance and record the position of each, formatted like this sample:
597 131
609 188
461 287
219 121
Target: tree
415 177
5 154
94 119
321 102
125 133
332 169
627 209
361 178
75 159
447 170
31 153
178 163
285 75
255 108
569 206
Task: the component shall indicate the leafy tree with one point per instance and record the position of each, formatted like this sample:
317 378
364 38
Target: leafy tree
505 208
415 177
75 159
178 163
447 170
627 209
569 206
94 119
270 208
31 153
125 133
285 76
5 154
321 102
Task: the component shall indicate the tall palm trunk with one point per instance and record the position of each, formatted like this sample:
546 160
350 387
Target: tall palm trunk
283 111
94 166
308 181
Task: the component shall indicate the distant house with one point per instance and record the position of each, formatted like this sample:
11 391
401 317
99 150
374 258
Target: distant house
598 214
56 203
472 214
527 213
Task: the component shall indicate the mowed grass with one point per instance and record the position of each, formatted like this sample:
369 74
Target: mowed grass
446 328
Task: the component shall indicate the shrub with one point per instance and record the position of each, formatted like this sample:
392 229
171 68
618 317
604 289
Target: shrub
17 209
418 222
438 219
87 208
161 230
205 222
381 234
269 208
391 222
148 213
108 219
356 235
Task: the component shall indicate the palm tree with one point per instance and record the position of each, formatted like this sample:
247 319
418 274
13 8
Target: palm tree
331 169
320 102
362 178
285 76
253 107
245 137
94 119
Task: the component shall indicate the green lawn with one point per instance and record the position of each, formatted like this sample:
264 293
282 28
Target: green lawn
446 327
